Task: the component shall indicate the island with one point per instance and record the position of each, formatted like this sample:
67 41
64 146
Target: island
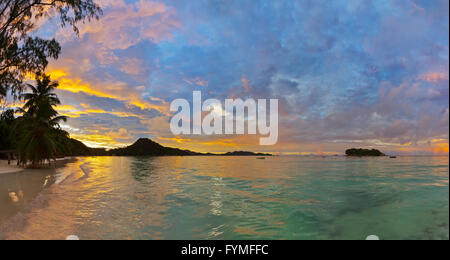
245 153
363 152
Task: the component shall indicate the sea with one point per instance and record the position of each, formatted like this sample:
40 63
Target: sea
228 198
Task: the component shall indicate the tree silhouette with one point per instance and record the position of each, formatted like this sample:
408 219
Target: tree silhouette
21 54
40 102
6 122
40 135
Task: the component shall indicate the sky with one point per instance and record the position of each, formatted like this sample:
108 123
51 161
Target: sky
353 73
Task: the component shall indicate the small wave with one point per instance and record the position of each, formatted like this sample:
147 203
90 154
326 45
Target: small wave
63 178
86 171
83 168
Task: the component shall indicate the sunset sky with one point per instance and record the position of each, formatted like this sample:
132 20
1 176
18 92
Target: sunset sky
347 73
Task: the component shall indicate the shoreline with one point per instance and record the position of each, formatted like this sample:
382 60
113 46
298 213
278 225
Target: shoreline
12 168
7 169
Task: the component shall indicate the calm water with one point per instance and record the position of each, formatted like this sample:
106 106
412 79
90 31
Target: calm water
229 198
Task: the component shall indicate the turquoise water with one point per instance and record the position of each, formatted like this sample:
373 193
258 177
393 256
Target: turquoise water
229 198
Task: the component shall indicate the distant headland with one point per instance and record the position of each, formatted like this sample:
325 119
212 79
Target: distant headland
147 147
363 152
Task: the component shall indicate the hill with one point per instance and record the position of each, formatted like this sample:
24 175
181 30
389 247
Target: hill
147 147
77 148
143 147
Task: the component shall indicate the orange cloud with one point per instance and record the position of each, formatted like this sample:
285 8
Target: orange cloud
97 140
219 142
436 146
196 81
175 139
122 133
63 108
132 66
118 91
440 146
73 112
224 142
125 24
434 77
246 84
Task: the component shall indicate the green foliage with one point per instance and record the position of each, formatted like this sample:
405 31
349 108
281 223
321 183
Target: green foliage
6 122
40 136
38 141
36 134
21 54
40 102
363 152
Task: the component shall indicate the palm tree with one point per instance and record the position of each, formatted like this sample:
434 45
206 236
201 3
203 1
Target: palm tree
39 129
6 122
40 102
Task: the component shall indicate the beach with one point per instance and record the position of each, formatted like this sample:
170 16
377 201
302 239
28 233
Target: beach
6 169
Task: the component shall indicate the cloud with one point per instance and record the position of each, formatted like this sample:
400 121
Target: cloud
346 73
126 24
121 134
196 81
132 66
112 90
434 77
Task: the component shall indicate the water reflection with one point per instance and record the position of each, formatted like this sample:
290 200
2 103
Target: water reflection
231 198
142 167
18 189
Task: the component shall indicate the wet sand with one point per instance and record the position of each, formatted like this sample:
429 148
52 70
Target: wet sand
20 190
12 168
6 169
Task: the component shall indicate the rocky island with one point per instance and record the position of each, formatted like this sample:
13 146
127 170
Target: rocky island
363 152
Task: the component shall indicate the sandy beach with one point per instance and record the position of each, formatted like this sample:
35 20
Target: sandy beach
12 168
5 168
